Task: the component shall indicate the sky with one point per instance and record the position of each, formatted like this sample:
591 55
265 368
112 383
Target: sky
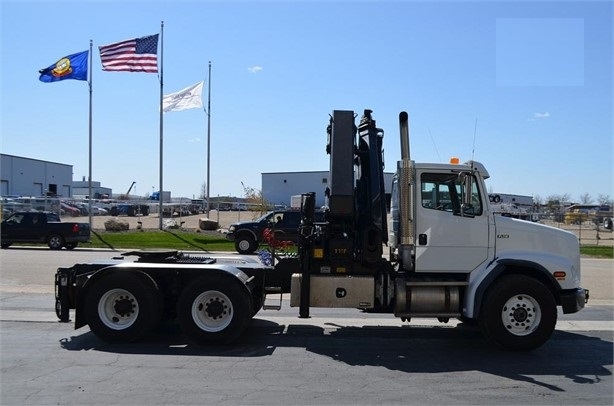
524 87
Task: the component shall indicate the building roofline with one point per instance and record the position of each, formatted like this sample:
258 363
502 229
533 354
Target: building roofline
35 159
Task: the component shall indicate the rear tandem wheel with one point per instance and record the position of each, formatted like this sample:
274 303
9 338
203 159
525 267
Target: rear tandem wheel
123 307
214 309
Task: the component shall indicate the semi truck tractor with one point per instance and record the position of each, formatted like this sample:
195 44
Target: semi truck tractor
438 251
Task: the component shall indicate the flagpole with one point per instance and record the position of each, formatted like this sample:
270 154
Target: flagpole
90 138
161 192
208 137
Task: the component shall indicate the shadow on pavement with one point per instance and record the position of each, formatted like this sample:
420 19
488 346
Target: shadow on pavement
407 349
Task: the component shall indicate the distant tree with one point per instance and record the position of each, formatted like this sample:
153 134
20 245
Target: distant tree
203 191
553 202
254 198
604 199
538 200
586 198
565 198
556 203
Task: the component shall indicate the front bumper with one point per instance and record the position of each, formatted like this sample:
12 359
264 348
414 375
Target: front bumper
573 300
230 236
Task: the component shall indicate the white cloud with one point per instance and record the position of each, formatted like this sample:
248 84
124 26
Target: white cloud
538 116
193 140
254 69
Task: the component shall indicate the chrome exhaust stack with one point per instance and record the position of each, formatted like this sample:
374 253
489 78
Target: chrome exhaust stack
406 179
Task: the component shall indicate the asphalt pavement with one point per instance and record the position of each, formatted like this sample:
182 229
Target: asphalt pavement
335 357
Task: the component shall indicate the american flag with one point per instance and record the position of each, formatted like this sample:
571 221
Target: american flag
133 55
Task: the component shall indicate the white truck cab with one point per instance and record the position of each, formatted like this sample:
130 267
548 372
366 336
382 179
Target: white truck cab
513 273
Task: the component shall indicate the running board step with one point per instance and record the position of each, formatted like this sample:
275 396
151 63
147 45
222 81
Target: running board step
275 305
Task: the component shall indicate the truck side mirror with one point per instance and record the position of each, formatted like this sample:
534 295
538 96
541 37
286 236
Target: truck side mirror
468 189
466 179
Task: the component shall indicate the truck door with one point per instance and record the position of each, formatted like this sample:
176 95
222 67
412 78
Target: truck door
288 225
449 237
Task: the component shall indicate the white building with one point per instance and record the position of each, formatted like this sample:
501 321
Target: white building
21 176
525 202
82 188
277 187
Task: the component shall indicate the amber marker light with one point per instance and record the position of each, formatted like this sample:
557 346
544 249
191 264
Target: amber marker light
560 275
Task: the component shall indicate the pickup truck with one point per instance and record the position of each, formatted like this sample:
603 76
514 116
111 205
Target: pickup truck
248 235
43 227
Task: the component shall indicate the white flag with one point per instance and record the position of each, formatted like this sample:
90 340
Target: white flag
188 98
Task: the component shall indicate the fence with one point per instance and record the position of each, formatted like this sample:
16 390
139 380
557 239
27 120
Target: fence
591 229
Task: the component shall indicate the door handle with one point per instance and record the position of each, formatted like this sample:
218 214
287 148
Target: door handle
422 239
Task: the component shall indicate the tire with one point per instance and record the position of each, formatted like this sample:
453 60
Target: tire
5 244
245 244
55 242
71 245
122 307
214 310
518 313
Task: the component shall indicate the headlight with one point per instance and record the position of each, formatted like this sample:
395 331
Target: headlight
231 228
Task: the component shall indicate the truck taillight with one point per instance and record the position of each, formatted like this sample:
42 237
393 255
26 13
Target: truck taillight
75 228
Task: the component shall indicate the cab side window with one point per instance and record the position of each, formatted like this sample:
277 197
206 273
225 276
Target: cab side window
16 219
445 191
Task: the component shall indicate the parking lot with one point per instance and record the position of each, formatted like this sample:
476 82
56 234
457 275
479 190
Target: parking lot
587 232
223 218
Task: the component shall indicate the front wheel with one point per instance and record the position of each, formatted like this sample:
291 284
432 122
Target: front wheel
122 307
214 309
519 313
55 242
245 244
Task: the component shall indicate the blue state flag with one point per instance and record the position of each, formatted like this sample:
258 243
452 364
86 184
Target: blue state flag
69 67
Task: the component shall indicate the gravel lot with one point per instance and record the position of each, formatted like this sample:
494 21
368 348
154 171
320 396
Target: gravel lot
223 218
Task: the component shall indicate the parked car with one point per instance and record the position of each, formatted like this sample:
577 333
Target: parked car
99 211
69 209
248 235
43 227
